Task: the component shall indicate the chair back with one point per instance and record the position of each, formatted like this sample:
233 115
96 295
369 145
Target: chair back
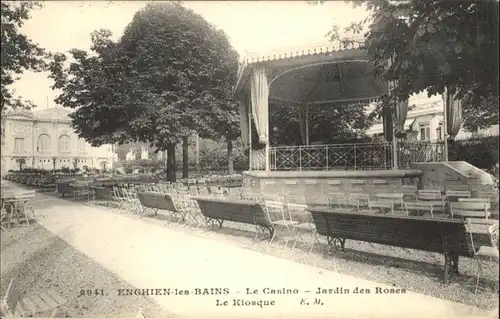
409 191
274 209
9 302
453 195
381 204
470 209
358 199
425 206
295 206
338 199
430 194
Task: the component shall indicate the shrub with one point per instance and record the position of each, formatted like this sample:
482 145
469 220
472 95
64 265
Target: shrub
481 152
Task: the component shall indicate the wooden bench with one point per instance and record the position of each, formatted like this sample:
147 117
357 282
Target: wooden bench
445 236
46 302
240 211
159 201
64 187
102 194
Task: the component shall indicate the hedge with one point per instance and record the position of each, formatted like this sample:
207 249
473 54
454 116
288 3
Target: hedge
481 152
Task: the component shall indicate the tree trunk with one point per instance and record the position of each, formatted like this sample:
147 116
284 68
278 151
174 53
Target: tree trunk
171 163
185 156
230 164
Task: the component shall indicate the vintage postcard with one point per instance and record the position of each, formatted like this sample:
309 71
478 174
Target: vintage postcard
249 159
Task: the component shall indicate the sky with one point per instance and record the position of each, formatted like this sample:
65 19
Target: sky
252 26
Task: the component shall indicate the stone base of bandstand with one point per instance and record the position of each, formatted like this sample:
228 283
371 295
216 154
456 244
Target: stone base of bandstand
318 184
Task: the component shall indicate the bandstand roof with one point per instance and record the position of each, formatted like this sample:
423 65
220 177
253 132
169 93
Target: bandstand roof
315 74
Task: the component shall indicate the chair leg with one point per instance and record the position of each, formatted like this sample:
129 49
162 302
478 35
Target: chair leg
479 273
26 215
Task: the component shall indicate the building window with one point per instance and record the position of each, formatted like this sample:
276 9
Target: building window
18 145
425 132
64 145
43 144
81 145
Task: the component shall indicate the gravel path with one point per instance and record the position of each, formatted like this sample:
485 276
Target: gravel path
42 261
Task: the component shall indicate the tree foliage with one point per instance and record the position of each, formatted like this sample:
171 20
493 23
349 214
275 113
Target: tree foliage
437 43
327 123
168 75
19 53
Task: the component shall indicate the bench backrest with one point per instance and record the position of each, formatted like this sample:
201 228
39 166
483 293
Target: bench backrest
427 234
234 210
102 193
9 302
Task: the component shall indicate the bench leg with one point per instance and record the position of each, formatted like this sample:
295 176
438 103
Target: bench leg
450 264
336 243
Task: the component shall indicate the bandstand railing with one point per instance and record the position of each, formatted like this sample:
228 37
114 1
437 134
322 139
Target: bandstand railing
367 156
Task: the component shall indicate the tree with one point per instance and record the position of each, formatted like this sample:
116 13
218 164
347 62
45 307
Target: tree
225 120
19 53
328 123
434 44
156 84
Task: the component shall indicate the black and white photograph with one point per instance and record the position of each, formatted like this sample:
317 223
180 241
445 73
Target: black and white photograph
250 159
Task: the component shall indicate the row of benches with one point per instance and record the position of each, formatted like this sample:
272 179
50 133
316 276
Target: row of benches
446 236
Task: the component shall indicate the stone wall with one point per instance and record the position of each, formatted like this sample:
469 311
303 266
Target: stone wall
315 186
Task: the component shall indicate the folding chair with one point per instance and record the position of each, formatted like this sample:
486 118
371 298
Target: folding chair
276 214
359 201
338 199
409 192
190 209
483 253
470 209
381 206
425 207
12 306
395 198
304 227
454 195
18 205
203 190
435 196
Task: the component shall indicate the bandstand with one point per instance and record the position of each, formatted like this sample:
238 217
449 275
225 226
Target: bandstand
315 76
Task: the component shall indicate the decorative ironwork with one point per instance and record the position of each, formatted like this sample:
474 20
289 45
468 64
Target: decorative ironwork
258 160
331 157
346 156
419 152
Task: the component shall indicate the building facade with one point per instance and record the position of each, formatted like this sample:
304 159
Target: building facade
425 121
44 139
